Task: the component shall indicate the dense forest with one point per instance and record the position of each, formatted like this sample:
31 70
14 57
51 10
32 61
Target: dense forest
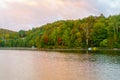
92 31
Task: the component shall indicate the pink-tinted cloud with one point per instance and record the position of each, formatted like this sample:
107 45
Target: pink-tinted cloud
25 14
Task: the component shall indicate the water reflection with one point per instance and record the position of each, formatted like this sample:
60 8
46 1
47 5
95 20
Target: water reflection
42 65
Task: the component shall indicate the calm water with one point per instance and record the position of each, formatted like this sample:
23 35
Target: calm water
41 65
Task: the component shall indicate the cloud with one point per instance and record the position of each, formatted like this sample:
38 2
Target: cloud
25 14
108 7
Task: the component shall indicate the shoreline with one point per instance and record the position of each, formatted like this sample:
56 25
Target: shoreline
17 48
79 49
42 49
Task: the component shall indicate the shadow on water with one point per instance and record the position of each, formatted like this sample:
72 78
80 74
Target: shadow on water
105 52
98 56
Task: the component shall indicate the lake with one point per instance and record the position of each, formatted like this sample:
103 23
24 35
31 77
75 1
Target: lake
48 65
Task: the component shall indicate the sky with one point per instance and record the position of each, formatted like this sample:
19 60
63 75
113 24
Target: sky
26 14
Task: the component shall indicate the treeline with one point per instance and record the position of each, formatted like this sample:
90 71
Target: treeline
92 31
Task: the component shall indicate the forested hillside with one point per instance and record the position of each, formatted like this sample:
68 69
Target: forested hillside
6 36
92 31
